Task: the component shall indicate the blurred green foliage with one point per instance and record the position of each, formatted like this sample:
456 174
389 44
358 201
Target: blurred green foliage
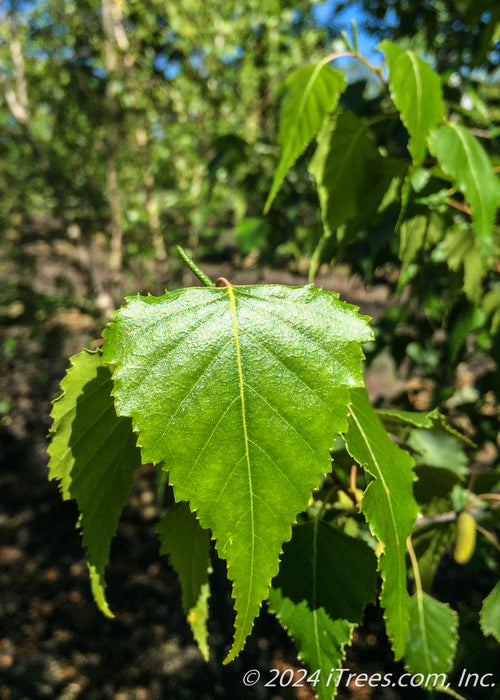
180 99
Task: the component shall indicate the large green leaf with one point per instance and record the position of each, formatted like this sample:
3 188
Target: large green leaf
188 547
461 250
432 640
416 91
310 94
388 505
329 569
463 158
239 391
325 580
94 456
490 613
351 175
419 233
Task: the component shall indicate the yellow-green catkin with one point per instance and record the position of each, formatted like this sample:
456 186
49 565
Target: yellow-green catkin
466 538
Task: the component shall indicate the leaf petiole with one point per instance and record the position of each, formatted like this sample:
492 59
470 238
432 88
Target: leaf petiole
194 268
414 564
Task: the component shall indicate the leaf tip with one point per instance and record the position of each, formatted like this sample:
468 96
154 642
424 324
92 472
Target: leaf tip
269 201
97 587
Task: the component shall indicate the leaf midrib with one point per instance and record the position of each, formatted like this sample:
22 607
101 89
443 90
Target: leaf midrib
234 315
314 592
423 628
380 475
418 89
475 175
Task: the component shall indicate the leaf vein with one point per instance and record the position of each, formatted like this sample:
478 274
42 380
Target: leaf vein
300 331
247 453
149 367
259 447
294 374
207 442
212 360
281 416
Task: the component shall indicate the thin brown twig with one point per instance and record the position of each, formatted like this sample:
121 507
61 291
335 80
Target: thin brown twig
460 206
339 484
481 133
447 517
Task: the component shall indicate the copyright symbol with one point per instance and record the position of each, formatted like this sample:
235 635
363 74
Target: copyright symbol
251 677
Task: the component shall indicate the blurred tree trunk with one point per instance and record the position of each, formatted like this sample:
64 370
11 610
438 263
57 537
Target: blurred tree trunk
115 40
119 65
116 230
15 92
154 216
